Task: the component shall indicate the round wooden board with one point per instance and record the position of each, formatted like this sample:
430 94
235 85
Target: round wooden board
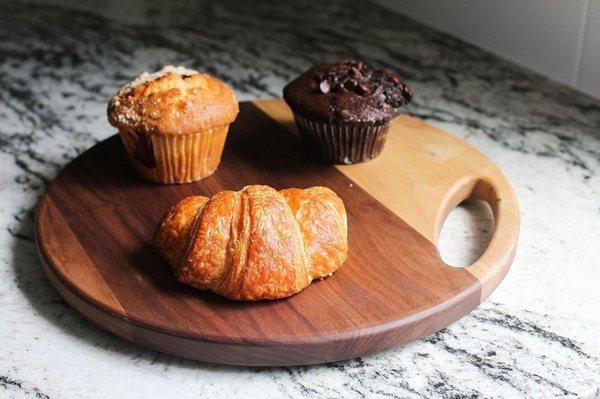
95 227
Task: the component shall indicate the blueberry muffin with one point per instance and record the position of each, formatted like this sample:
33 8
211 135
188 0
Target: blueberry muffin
174 123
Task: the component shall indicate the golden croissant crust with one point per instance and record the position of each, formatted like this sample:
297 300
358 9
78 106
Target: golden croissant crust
256 243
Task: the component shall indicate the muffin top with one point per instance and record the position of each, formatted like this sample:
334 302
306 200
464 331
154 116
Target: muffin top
173 101
347 91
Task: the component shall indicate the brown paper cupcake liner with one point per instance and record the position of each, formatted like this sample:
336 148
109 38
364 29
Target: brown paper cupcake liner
342 144
175 159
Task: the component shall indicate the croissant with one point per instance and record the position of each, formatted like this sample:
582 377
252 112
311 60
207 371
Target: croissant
256 243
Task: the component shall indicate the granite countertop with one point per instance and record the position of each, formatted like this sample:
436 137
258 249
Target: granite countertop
536 336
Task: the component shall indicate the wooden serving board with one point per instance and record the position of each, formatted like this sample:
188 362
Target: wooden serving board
95 228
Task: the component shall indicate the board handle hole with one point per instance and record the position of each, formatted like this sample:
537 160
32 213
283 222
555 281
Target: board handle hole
466 233
467 222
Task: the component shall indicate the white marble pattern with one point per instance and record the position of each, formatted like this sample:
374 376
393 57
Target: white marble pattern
537 335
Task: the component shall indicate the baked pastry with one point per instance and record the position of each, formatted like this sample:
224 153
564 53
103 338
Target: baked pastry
256 243
174 123
343 110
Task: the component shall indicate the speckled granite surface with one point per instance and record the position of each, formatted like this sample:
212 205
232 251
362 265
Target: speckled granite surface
537 335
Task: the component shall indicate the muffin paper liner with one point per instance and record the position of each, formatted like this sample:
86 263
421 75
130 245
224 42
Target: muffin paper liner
342 144
175 159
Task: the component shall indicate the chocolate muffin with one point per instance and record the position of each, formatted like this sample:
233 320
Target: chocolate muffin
343 110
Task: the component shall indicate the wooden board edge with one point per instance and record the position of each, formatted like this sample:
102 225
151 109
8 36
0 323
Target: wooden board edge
353 345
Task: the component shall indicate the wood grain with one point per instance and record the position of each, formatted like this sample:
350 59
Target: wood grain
96 223
423 174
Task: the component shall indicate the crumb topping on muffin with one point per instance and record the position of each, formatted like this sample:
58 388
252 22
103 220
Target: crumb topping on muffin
174 100
146 76
348 91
